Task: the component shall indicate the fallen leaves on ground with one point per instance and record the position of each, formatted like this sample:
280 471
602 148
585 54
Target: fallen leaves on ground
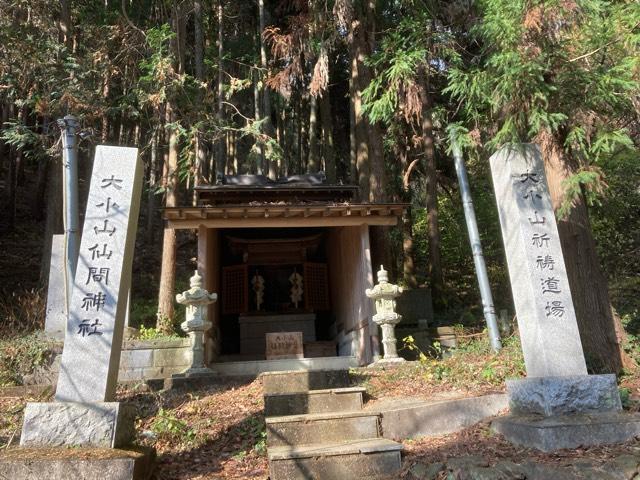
213 432
479 440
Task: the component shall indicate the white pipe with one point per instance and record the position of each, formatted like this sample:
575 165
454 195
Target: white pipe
476 247
69 126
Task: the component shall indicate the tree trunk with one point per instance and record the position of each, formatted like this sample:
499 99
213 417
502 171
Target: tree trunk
359 129
327 137
66 25
151 192
408 263
369 148
431 193
104 128
257 116
271 166
601 333
353 144
201 154
314 148
220 144
166 307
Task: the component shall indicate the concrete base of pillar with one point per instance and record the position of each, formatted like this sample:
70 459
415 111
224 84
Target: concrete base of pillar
98 424
568 431
551 396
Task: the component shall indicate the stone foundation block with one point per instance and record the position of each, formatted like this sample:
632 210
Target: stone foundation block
551 396
321 428
314 401
304 380
568 431
100 424
373 459
61 463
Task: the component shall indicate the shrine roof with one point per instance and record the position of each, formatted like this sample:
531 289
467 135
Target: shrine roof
240 189
280 215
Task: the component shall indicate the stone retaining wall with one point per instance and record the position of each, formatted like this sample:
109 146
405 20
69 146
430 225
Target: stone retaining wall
146 359
139 360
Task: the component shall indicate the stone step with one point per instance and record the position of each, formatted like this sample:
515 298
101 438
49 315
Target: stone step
314 401
376 458
304 380
254 368
321 428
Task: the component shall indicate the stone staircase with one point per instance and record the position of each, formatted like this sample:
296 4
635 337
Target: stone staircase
316 429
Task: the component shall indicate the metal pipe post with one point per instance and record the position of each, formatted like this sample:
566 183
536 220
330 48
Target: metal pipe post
69 126
476 248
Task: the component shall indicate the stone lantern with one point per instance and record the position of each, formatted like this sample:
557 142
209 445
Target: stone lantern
385 294
196 300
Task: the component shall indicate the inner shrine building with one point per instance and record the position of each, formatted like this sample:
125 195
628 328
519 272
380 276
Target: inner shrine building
286 256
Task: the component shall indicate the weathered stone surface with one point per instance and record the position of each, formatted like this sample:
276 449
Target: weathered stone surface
420 471
283 345
374 459
569 431
55 322
315 401
415 306
130 359
541 294
99 424
481 473
321 428
564 395
76 464
511 470
304 380
93 338
467 468
625 465
438 418
168 357
467 461
536 471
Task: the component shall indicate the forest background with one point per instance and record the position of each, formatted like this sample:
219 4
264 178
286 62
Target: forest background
370 92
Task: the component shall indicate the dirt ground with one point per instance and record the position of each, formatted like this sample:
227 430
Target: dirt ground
218 431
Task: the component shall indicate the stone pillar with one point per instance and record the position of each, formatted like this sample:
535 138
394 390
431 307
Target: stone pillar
558 405
385 294
196 300
84 411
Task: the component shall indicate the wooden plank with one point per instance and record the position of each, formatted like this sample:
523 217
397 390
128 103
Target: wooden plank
281 222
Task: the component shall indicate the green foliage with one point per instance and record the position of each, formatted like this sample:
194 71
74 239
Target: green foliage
564 68
152 333
21 355
168 427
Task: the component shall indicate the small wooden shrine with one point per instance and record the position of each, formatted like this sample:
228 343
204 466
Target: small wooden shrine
286 256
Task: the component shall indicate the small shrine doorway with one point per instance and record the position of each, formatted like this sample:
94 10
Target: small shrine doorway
274 280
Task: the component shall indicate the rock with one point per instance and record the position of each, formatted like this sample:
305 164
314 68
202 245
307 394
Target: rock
552 396
465 462
479 473
590 472
426 472
512 470
536 471
106 424
626 466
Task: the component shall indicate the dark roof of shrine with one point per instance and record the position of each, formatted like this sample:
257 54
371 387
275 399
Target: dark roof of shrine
258 189
296 201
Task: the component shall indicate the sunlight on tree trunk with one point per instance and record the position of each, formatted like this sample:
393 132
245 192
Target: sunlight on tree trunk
601 333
